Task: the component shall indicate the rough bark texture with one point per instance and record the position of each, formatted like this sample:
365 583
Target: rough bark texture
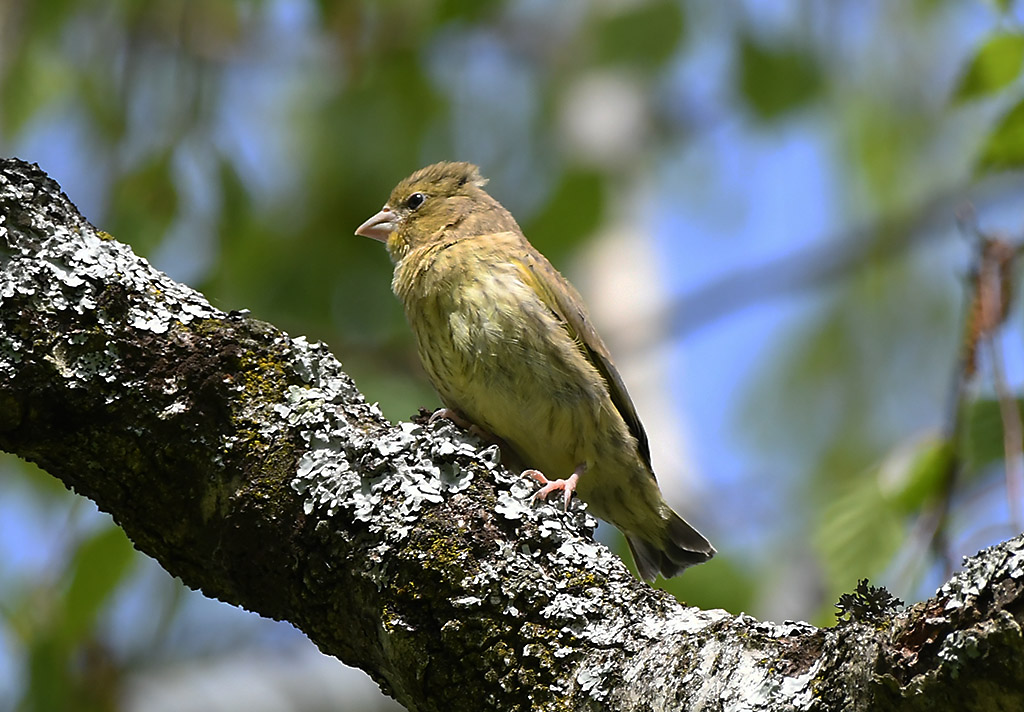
248 464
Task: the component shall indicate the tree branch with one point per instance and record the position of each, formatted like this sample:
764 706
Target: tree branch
247 463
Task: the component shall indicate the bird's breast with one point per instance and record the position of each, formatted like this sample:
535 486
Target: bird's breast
496 352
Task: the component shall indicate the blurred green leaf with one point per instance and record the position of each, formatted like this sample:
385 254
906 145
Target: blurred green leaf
720 583
103 103
883 147
30 82
915 471
776 81
574 211
49 685
983 435
236 206
97 568
45 19
858 533
44 486
144 202
66 665
645 34
465 9
399 395
803 367
996 63
1004 146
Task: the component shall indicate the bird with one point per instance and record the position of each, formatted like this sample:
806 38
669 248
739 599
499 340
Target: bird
508 345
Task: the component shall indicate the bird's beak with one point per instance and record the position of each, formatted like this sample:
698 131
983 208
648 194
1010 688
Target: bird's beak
379 226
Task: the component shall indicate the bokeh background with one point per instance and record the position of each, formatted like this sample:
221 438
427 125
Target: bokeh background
764 204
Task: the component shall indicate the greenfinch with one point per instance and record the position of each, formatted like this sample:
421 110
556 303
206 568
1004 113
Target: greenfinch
507 344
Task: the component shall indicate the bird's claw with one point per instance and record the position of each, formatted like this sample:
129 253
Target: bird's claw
568 485
455 417
448 414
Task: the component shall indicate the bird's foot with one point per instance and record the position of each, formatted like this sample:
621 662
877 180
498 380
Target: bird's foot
448 414
456 417
568 485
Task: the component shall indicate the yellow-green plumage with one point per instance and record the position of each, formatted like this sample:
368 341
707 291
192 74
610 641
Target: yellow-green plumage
507 343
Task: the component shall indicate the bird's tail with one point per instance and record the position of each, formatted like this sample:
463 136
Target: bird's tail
679 547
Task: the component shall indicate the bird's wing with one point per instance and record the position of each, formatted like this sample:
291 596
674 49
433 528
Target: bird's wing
566 304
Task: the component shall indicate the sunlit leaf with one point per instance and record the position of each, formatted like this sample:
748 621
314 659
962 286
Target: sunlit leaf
1004 146
996 63
858 532
915 471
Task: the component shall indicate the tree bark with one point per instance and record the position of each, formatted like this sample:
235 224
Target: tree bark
247 463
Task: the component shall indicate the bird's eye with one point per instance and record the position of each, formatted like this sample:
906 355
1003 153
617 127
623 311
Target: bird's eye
415 200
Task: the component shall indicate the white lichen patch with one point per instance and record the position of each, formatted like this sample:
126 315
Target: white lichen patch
593 679
65 271
959 647
58 266
383 477
1006 560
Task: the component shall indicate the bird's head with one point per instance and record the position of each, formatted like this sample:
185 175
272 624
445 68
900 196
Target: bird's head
439 202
